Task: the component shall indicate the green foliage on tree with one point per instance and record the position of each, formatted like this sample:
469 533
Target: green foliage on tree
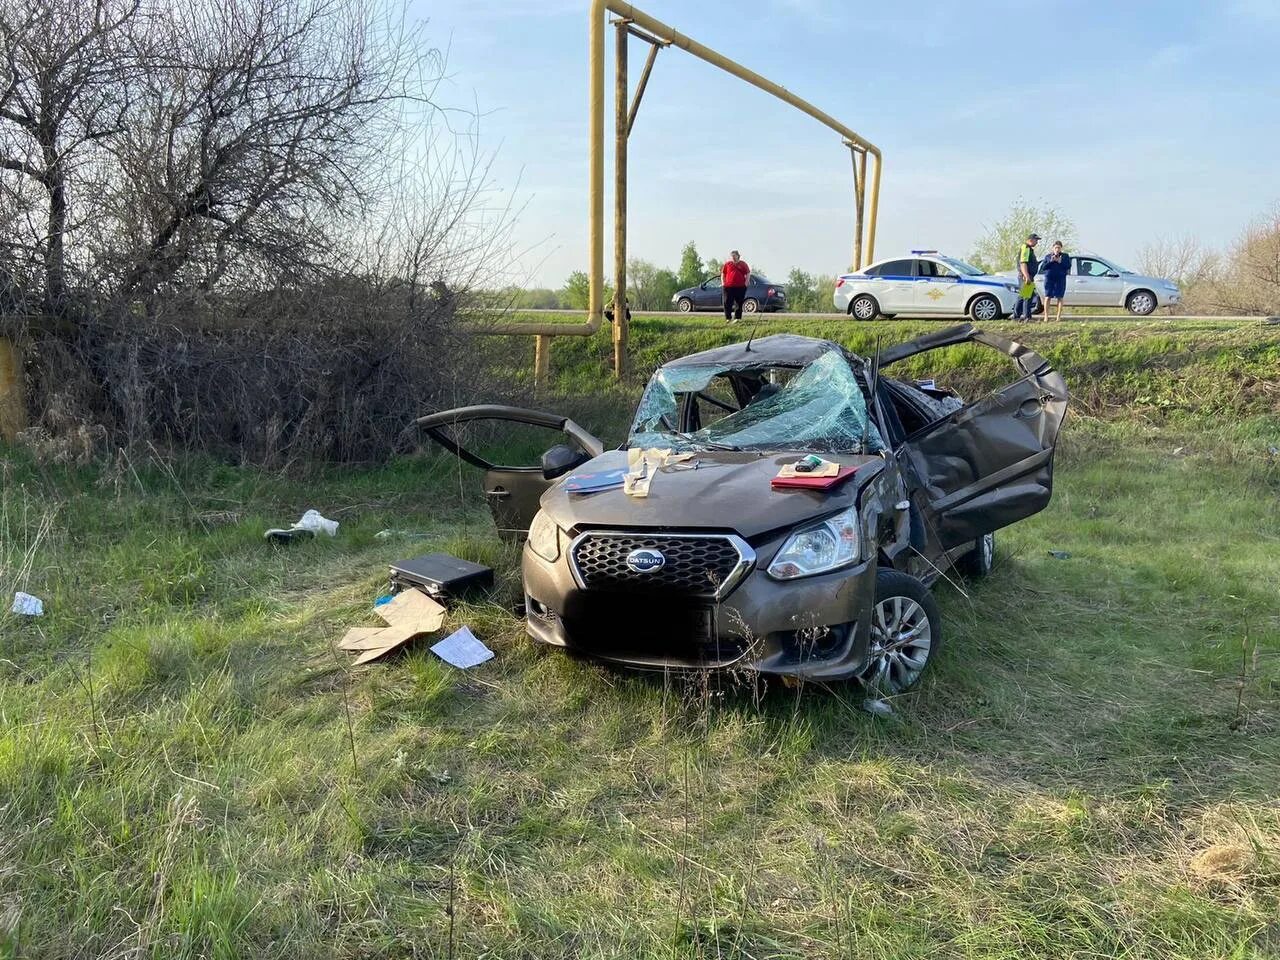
998 248
713 269
802 291
575 293
690 272
649 287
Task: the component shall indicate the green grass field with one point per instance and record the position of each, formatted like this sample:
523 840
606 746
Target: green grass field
189 769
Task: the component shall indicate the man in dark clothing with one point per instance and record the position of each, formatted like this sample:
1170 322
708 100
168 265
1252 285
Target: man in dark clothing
734 276
1055 267
1027 264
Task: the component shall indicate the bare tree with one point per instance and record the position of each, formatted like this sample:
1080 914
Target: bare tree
1185 261
1251 282
267 128
68 70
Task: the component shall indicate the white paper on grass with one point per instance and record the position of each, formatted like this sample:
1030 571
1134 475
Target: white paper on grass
24 604
462 649
312 520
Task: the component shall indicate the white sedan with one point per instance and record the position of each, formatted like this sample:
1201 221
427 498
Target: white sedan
1095 282
924 284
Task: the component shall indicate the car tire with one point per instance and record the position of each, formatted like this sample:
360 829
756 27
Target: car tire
1141 303
984 308
684 305
905 634
751 305
977 563
864 307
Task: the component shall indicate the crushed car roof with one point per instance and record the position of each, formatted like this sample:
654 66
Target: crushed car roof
778 348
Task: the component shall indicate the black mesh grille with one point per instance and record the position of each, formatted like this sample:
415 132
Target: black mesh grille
694 565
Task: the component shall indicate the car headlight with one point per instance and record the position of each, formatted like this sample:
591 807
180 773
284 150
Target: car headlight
544 537
824 546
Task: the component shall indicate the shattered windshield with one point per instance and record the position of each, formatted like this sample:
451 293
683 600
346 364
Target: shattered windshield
819 407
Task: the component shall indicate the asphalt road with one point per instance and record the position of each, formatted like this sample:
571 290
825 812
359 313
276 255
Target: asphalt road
675 314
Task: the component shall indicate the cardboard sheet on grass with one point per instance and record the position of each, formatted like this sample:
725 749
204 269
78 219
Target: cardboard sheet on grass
409 615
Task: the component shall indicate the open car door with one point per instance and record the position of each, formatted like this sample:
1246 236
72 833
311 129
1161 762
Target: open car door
989 463
541 447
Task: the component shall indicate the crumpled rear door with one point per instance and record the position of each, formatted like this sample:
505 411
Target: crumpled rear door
990 463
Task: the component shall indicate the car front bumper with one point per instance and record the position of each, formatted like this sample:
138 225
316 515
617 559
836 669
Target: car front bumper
815 627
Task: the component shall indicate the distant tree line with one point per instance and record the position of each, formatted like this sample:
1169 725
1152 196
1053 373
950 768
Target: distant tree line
1243 279
650 287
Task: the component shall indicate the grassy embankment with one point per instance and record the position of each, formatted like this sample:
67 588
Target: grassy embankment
188 769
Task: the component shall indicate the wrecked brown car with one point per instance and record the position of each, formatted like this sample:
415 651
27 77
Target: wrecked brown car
714 566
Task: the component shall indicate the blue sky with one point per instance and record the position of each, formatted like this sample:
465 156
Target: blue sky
1137 120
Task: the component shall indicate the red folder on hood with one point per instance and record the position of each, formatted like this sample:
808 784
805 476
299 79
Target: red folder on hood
813 483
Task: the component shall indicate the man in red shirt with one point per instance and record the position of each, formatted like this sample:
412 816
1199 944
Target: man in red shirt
734 275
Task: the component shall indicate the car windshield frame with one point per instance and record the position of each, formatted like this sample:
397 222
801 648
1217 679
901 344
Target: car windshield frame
962 267
821 408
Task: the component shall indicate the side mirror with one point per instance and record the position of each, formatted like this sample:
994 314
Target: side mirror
702 285
1113 275
560 459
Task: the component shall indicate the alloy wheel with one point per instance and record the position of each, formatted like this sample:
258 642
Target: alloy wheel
985 309
901 640
864 308
1142 304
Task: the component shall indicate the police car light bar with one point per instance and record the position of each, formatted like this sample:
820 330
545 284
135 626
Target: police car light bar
917 252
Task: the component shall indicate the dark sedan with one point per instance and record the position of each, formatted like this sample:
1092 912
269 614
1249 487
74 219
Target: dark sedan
762 294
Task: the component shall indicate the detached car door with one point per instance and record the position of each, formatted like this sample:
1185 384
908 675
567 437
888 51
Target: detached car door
522 453
989 463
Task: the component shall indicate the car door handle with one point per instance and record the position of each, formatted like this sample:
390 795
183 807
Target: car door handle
497 494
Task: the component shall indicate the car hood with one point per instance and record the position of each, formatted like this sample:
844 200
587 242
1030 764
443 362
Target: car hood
729 490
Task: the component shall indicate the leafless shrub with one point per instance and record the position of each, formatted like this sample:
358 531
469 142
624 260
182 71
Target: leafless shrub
1185 261
1251 282
241 225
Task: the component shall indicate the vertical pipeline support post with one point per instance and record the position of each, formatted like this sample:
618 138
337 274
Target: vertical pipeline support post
13 400
875 207
622 125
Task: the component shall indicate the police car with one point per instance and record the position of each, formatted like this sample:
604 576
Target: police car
926 283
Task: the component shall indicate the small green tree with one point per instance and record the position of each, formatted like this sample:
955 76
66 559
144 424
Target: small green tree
690 272
649 287
575 294
998 248
713 269
802 291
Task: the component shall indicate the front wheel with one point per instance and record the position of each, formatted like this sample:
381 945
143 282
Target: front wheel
685 305
977 563
750 305
984 308
1141 303
864 307
905 634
